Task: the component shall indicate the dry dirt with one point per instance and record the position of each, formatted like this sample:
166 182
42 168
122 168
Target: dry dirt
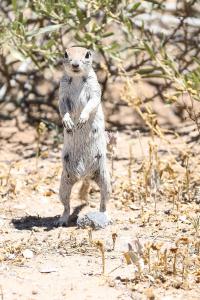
40 261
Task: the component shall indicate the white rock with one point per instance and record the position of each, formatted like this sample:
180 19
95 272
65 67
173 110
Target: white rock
183 218
11 256
1 222
27 253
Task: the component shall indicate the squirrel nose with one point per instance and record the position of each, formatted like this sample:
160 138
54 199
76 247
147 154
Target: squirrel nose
75 65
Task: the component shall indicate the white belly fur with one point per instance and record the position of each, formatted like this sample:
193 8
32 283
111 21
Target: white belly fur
84 148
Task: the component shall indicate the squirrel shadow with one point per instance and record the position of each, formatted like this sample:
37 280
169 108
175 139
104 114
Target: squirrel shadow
28 222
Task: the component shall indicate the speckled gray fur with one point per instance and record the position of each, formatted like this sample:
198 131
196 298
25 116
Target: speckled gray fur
84 150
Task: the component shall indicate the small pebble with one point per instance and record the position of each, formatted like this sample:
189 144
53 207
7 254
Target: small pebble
47 269
34 292
27 254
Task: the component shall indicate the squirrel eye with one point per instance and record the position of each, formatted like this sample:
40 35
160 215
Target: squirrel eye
88 54
66 55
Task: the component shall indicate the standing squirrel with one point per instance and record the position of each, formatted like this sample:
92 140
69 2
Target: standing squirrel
84 150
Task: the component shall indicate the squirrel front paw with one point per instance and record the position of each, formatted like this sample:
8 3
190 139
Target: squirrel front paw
67 122
83 119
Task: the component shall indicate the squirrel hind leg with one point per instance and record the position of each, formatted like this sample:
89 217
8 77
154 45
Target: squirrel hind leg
102 178
84 191
64 193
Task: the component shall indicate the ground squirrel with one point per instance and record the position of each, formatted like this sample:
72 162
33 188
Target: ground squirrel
84 150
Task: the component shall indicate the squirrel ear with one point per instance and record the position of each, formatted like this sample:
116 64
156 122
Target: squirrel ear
88 54
66 55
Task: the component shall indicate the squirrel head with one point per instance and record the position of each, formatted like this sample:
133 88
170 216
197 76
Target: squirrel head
77 61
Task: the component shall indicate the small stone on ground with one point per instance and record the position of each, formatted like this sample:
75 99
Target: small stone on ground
96 220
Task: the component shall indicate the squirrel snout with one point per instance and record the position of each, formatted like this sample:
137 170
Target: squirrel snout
75 65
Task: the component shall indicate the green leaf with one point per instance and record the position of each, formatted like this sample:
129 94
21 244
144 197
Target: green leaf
135 6
20 17
39 31
149 50
17 54
107 34
14 4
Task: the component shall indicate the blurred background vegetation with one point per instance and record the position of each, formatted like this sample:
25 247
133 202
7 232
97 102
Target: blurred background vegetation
148 56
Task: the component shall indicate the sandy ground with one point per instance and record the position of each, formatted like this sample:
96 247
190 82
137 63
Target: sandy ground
40 261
